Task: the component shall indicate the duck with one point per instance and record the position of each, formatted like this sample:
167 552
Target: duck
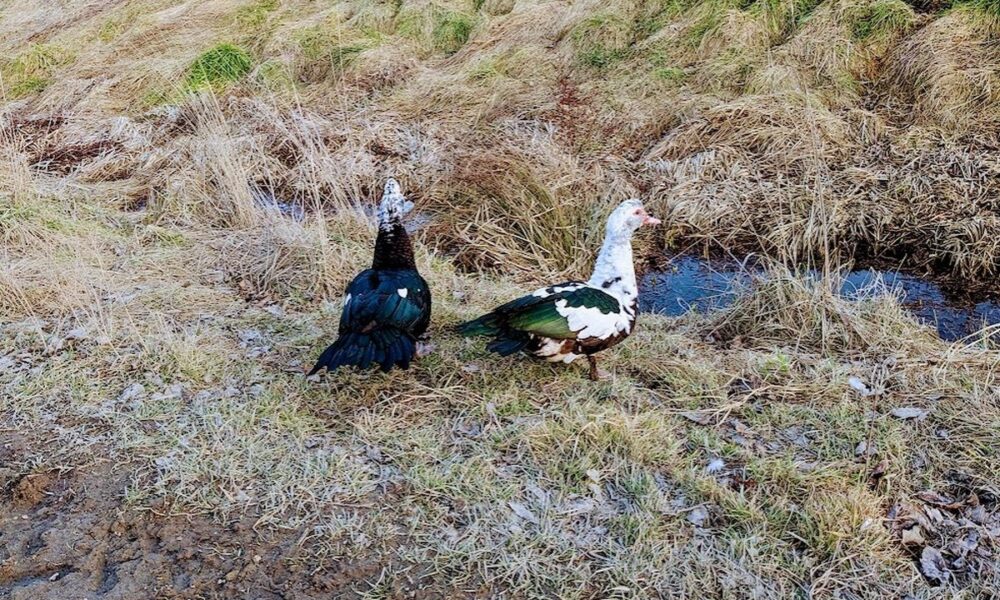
387 308
574 319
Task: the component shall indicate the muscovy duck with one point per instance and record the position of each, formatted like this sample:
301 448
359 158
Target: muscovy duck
566 321
386 307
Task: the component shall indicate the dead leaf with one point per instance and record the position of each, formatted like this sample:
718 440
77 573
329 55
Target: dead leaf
878 472
914 536
933 565
697 417
934 515
523 512
936 499
859 386
909 412
698 516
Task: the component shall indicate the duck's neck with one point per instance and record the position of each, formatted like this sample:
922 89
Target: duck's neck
393 249
614 271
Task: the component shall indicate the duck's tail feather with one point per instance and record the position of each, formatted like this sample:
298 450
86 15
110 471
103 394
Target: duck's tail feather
505 346
488 324
386 347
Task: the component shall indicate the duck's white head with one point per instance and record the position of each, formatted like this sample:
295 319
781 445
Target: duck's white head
628 217
394 204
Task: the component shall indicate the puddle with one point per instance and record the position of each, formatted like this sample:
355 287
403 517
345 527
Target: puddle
694 283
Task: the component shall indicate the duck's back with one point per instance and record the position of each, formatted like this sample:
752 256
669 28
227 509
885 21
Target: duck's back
387 298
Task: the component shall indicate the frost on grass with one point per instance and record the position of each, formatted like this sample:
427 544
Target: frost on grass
159 306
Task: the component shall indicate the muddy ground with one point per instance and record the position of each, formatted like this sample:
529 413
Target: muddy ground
69 535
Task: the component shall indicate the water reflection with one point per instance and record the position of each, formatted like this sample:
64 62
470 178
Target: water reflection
693 283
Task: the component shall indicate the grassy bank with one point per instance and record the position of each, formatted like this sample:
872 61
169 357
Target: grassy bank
730 454
842 129
157 308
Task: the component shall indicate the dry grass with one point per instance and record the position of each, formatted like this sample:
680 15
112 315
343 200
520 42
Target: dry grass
522 473
173 252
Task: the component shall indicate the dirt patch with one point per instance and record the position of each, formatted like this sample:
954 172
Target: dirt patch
71 536
65 159
31 490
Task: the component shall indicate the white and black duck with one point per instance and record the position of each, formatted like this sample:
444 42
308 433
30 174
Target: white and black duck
386 307
563 322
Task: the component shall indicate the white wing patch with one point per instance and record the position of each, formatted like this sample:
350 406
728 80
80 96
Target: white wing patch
545 292
591 322
347 299
402 292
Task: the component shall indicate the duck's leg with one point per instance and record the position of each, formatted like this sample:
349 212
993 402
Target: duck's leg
594 374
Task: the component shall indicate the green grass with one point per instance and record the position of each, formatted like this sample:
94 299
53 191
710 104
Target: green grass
880 19
990 8
653 15
219 66
326 48
510 469
452 31
602 40
32 70
439 29
783 16
708 21
255 14
670 74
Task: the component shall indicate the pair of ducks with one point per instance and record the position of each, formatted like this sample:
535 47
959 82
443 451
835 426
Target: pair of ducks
388 307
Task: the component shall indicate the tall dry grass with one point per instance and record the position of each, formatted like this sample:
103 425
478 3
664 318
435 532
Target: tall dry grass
523 108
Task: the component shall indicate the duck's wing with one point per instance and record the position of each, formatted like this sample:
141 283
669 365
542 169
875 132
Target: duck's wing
568 310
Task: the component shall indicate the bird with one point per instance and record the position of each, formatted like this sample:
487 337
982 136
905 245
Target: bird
566 321
387 307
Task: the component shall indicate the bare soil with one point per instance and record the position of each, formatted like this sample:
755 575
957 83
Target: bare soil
70 535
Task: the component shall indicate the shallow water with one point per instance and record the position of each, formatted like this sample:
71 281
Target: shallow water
693 283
